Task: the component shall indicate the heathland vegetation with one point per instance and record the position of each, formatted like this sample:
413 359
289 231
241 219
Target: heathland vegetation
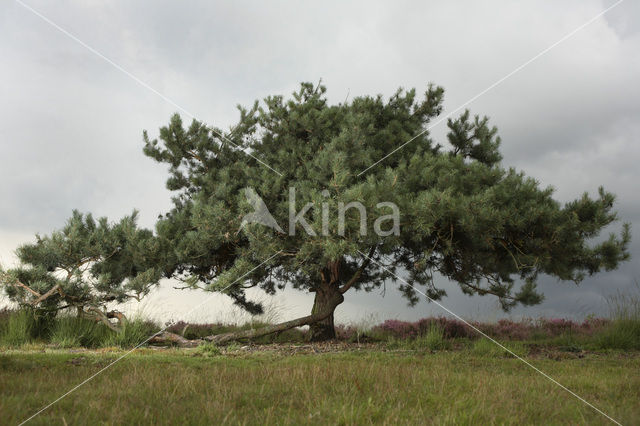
436 370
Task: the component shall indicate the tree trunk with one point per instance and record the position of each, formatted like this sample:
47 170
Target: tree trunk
325 300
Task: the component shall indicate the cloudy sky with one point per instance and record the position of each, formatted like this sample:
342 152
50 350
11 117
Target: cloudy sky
71 122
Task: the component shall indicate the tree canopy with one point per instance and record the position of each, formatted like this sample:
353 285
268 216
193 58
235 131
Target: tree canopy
86 265
462 214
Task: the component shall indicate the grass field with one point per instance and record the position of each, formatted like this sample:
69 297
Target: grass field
360 385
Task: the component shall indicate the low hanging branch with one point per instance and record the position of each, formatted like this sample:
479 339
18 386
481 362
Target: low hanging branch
171 338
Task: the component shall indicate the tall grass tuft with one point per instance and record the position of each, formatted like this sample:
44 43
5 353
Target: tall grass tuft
624 330
133 333
18 328
433 339
621 334
69 332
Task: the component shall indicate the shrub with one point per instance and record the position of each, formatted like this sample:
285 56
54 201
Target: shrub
454 329
208 350
506 329
348 333
5 313
558 326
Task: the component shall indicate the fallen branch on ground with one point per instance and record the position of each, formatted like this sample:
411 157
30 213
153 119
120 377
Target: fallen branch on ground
172 338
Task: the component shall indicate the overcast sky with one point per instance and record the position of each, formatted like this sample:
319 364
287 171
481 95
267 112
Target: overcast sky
71 123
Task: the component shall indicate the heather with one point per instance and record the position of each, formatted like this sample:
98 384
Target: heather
504 329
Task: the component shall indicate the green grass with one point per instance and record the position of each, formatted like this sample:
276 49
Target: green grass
433 340
485 347
22 328
445 387
70 332
624 331
620 334
18 329
134 332
208 350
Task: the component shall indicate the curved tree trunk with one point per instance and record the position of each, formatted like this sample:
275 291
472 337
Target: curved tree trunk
324 301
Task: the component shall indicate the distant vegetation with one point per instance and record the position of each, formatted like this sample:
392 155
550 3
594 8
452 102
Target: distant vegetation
620 331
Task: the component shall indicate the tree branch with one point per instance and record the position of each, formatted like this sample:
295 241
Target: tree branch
99 316
29 289
482 291
358 273
45 296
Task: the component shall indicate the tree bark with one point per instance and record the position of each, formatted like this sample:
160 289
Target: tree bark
324 301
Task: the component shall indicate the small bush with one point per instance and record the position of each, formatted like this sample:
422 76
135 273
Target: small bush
396 329
208 350
5 314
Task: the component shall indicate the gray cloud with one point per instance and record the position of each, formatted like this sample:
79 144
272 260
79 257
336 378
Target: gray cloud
70 126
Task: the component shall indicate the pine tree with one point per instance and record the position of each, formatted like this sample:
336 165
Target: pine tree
85 266
492 230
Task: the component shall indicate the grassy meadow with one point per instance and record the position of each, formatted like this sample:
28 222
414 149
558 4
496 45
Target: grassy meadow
359 386
432 371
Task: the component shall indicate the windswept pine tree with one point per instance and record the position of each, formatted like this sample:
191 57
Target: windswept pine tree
462 215
85 266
